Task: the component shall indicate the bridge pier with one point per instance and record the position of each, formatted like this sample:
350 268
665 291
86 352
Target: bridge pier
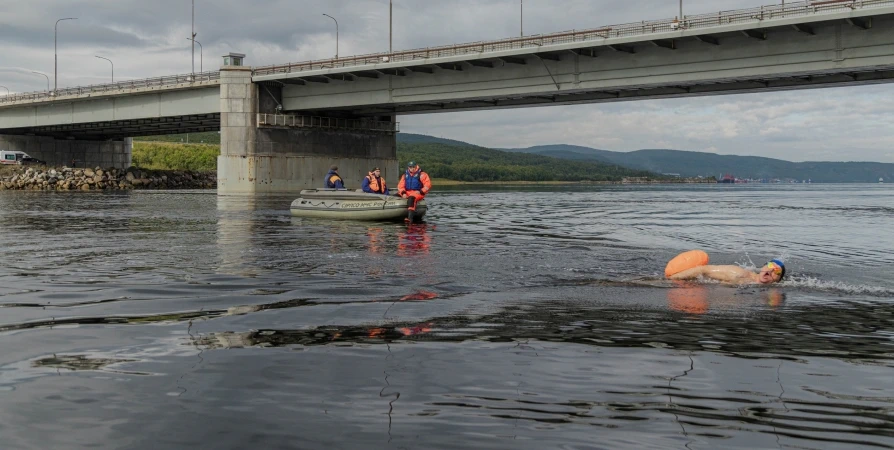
276 156
70 152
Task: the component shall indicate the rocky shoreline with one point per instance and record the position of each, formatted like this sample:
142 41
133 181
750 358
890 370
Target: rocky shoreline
72 179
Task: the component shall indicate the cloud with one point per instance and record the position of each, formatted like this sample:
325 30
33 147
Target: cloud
149 38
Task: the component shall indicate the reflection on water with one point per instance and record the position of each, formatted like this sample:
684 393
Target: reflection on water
508 320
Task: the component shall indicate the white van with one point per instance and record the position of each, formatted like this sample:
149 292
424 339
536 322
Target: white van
17 157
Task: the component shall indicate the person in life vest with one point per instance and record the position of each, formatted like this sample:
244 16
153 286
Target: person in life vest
374 183
413 186
333 180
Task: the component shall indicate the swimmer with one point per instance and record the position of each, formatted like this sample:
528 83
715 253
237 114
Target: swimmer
769 274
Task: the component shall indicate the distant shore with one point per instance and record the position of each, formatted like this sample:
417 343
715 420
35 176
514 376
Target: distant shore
445 182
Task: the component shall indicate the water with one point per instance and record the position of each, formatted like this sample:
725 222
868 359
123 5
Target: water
514 318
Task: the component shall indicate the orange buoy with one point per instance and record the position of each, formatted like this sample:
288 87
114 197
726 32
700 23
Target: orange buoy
686 260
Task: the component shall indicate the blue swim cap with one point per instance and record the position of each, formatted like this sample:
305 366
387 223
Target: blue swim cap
781 265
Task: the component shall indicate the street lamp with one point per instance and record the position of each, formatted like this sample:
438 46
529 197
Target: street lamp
192 37
55 55
113 66
201 58
390 26
521 14
48 79
7 90
336 34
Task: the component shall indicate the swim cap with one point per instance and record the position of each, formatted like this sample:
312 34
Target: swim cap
412 164
781 266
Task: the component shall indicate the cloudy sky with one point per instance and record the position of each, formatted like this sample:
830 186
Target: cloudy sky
149 37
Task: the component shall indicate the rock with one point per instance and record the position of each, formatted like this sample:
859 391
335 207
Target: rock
89 172
99 171
130 176
85 187
97 178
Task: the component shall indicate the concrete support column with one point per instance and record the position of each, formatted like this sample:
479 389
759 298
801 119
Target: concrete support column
236 165
283 159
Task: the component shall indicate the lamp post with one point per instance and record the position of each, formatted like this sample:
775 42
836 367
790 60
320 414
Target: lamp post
48 79
201 52
521 17
390 27
336 34
681 11
7 90
193 37
55 54
113 66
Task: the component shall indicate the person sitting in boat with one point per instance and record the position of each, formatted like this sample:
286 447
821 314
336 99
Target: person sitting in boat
333 180
414 185
769 274
374 183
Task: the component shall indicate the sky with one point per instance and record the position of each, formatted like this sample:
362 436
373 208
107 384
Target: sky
146 38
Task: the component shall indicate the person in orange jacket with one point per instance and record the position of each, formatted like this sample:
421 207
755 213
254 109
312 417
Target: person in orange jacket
374 183
413 186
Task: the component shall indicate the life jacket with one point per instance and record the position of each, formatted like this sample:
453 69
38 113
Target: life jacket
331 178
413 182
374 183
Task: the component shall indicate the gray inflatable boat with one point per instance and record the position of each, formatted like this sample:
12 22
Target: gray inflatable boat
353 205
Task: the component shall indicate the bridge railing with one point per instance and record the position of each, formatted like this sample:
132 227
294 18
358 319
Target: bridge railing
292 121
170 80
643 28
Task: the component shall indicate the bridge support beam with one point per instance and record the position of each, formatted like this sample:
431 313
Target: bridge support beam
287 160
72 153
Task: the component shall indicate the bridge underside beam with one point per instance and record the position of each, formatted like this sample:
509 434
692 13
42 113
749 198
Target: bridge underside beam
862 23
588 52
741 59
125 128
643 93
480 63
707 39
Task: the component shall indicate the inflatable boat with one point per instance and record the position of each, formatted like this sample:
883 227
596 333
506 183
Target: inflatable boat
353 205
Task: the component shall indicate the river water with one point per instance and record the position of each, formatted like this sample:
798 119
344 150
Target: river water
514 318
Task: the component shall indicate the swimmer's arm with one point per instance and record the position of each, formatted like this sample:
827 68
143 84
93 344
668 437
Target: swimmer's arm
689 274
727 274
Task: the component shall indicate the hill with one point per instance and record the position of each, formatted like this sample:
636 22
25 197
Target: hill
470 163
410 138
691 164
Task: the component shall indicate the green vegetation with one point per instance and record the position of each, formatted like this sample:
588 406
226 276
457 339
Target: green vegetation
441 161
171 156
470 163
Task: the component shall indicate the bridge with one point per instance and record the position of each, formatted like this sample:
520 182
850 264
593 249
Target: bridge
283 125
